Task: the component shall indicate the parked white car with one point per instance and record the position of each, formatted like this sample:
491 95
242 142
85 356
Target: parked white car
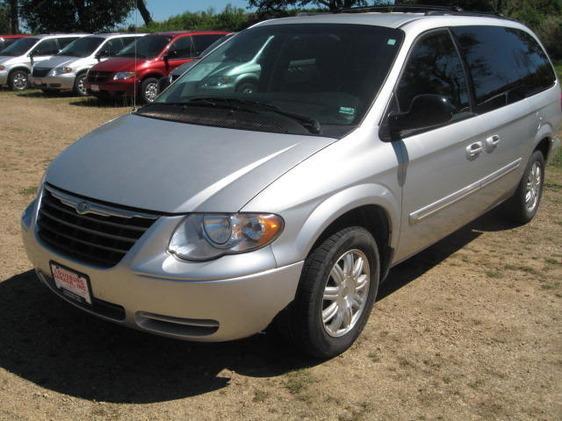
67 70
17 60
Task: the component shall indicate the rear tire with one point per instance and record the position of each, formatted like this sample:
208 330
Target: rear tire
149 89
524 204
18 80
332 305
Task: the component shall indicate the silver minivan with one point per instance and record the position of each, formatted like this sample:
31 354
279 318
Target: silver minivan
17 60
368 137
67 70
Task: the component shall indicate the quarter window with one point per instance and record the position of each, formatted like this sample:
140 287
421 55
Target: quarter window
506 65
434 68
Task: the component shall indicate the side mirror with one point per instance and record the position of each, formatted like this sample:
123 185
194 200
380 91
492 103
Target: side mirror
425 111
101 54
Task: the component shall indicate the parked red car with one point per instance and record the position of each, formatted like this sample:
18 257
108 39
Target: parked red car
6 40
140 65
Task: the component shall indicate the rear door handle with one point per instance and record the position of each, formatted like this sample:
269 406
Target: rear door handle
492 142
474 149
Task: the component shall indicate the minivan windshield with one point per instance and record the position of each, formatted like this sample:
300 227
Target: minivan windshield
316 79
20 47
82 47
146 47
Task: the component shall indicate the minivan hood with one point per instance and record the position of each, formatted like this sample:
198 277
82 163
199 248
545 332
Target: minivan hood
7 60
174 167
120 64
56 61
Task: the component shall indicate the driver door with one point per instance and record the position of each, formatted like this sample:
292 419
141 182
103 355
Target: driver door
44 50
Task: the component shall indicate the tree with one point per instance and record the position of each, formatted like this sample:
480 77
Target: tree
269 6
74 15
141 5
4 19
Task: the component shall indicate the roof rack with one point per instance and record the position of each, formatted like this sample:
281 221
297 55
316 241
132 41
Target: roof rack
428 10
413 8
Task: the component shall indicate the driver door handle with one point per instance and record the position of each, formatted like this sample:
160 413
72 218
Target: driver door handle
474 149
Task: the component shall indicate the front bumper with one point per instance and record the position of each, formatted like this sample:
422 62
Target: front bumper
3 77
113 88
62 82
229 298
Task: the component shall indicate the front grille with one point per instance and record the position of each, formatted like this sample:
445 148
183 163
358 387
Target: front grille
100 239
40 72
97 77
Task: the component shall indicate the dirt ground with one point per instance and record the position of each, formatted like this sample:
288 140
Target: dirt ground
469 329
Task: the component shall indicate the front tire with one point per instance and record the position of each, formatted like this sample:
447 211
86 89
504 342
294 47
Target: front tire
149 89
336 293
522 207
18 80
80 85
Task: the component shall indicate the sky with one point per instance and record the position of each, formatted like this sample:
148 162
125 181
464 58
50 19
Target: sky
162 9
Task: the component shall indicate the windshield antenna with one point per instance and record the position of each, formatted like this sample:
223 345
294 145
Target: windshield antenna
135 68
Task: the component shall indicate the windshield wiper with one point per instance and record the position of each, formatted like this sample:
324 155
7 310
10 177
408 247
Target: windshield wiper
309 123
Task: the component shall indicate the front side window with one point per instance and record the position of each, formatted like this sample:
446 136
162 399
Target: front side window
434 68
47 47
294 78
147 47
506 64
112 47
20 47
82 47
201 42
181 48
63 42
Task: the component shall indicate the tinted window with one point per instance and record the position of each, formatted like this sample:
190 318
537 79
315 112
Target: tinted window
435 68
21 46
181 48
82 47
63 42
506 65
5 43
47 47
149 46
201 42
112 47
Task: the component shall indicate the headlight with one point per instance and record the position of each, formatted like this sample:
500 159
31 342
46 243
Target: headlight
123 75
219 81
61 70
204 237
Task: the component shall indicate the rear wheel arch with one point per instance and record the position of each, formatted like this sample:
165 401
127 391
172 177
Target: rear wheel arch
544 147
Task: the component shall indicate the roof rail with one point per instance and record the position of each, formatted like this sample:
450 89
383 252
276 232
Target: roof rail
428 10
413 8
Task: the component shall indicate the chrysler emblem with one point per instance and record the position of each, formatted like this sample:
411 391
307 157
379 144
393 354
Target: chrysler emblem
82 208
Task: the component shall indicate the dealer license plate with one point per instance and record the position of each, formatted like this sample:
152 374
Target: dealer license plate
72 284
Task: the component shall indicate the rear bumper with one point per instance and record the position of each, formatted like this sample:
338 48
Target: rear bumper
230 298
62 82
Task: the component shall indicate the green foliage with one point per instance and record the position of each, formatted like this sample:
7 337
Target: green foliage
231 19
74 15
269 6
4 19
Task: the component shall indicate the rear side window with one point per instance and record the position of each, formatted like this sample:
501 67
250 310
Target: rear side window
201 42
506 65
434 68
